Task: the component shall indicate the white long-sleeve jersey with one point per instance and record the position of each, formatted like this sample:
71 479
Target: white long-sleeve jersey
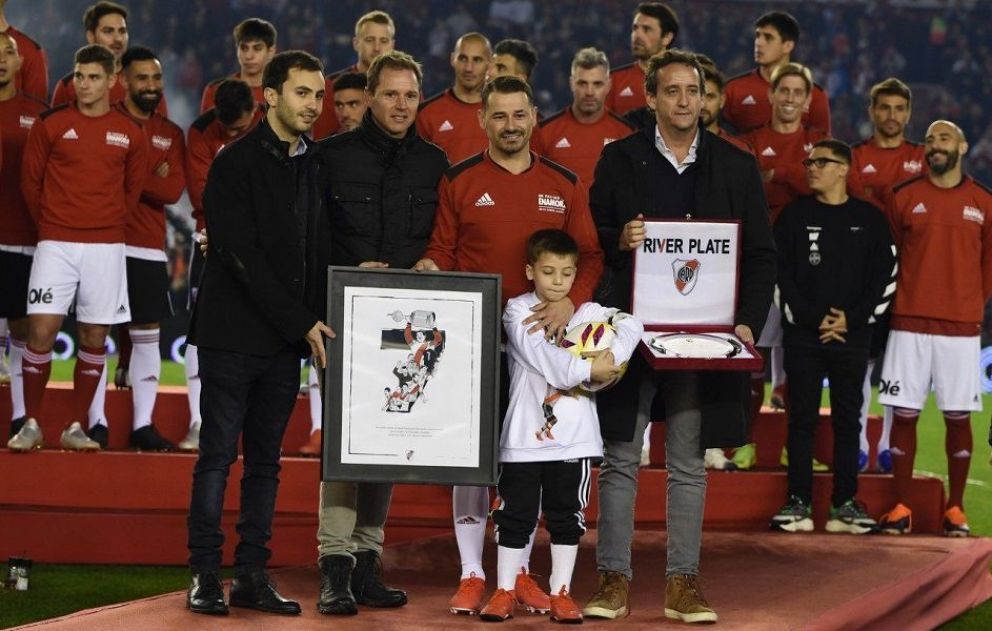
535 364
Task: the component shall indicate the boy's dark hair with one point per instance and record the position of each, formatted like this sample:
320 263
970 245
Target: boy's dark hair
255 30
551 240
277 71
839 148
666 17
506 85
96 54
232 100
93 13
520 50
351 81
786 25
137 53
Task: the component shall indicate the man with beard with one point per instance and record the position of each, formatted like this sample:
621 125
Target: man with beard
488 205
32 78
713 100
255 42
255 317
575 136
942 226
144 239
879 163
654 29
451 119
106 24
747 105
381 194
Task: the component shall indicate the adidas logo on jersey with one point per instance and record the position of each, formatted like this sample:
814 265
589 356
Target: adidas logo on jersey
919 209
161 142
485 200
869 168
768 151
446 126
26 121
607 141
748 100
563 144
118 140
71 134
912 166
626 92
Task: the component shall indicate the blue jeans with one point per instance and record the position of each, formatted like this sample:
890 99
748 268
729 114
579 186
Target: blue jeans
686 490
252 398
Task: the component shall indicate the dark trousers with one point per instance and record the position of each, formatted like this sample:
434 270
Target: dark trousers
249 397
558 488
805 368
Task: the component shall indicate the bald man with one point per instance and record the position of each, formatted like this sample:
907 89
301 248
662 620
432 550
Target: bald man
942 226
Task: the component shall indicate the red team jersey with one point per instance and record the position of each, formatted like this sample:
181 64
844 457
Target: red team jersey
32 78
747 105
737 141
874 170
485 215
82 175
453 125
206 137
146 224
327 124
576 145
65 92
207 100
785 154
626 89
944 240
17 116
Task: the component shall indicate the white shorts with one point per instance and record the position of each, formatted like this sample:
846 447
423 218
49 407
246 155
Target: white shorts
915 361
92 274
771 335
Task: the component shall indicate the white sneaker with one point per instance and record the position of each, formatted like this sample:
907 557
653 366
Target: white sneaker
28 438
75 439
715 459
192 440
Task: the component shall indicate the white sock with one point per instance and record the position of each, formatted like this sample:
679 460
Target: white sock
883 440
145 370
4 334
562 565
470 507
646 445
96 413
17 378
192 367
866 391
316 406
525 559
508 566
778 366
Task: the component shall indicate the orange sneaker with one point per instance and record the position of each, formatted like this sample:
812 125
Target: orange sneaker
898 521
313 446
468 598
955 523
563 608
500 607
529 594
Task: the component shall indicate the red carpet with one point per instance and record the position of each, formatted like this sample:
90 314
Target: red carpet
760 581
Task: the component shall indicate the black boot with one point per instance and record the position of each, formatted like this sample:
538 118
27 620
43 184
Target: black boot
254 590
366 583
335 585
206 595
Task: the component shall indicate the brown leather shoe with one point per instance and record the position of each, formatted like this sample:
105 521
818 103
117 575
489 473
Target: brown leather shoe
612 600
313 447
563 608
684 600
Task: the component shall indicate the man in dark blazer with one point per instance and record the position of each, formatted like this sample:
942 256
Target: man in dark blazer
255 318
673 169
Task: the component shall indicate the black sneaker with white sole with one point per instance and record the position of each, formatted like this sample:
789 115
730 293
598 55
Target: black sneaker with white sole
99 433
795 516
147 438
851 517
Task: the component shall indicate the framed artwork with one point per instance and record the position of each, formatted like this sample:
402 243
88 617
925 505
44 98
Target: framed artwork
411 384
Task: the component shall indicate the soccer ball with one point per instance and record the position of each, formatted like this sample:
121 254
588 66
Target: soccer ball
588 337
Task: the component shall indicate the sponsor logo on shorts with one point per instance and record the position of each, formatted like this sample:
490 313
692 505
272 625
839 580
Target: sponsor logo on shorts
118 139
891 388
122 309
40 296
550 204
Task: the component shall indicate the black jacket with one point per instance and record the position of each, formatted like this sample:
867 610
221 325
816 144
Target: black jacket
381 194
261 292
728 186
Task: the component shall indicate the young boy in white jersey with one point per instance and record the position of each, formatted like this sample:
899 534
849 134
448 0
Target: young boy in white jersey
550 433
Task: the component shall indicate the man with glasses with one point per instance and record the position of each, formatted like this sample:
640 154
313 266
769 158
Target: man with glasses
836 276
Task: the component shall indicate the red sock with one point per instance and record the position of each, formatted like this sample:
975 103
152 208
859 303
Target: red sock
124 346
36 367
89 371
958 445
903 445
757 398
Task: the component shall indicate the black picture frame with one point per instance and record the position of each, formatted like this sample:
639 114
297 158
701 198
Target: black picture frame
345 375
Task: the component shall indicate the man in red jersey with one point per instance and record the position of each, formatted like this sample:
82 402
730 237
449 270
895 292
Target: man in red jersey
32 78
18 235
775 37
375 34
513 58
144 238
942 226
83 171
105 24
713 100
450 119
575 136
234 114
878 164
654 29
488 205
255 41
